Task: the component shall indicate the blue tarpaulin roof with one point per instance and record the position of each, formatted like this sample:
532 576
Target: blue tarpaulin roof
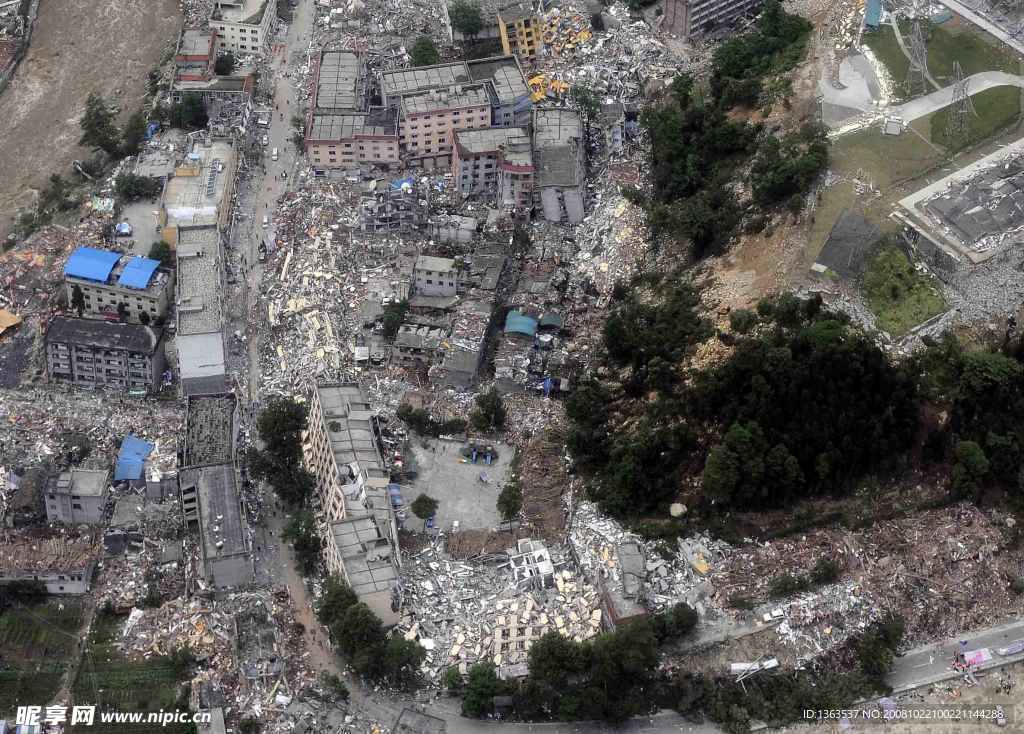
399 182
520 324
873 13
123 228
91 264
138 272
131 458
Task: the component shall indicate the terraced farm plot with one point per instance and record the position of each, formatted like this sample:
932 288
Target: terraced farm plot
111 681
35 644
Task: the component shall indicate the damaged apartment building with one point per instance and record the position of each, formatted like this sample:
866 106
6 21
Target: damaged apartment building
63 564
90 354
210 494
420 108
341 451
194 60
559 154
107 284
243 26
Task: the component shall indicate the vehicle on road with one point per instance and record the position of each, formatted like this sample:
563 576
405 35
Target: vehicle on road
266 141
266 221
274 155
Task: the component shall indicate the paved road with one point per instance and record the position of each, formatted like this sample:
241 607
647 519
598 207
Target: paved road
931 663
984 23
915 108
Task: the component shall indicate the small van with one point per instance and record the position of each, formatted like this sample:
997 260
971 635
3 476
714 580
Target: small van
274 155
266 221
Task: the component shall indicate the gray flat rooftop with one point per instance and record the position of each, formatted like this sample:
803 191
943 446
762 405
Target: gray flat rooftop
90 482
195 42
194 195
406 81
199 287
345 408
504 73
240 11
434 264
339 127
555 126
220 514
369 560
447 99
209 430
201 363
104 334
339 82
488 139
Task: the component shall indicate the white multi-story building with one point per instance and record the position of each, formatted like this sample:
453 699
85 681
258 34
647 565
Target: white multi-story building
243 26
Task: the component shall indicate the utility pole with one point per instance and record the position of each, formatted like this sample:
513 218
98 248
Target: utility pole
959 125
917 74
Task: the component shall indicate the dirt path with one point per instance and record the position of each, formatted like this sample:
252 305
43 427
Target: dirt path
78 46
63 693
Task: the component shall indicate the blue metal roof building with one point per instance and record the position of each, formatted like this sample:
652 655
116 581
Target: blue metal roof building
873 13
138 272
91 264
131 458
520 323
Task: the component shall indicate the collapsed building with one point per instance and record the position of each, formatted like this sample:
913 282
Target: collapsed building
63 564
972 215
194 60
559 154
694 18
341 451
210 496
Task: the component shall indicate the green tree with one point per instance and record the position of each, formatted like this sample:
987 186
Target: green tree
189 113
301 532
424 52
225 64
424 507
402 659
334 685
481 688
970 468
77 299
134 133
249 725
452 679
358 630
98 129
299 141
465 17
489 414
586 101
131 187
336 598
162 252
675 622
510 502
394 317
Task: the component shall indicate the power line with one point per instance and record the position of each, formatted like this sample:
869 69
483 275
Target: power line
917 74
958 124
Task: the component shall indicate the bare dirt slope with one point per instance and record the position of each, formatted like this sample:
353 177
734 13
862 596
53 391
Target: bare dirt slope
78 46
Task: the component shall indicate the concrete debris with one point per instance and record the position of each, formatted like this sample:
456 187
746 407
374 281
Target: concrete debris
493 608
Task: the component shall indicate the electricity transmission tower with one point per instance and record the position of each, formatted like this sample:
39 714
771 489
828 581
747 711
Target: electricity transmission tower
917 74
962 105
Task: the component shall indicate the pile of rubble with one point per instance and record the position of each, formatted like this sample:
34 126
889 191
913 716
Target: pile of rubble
491 609
943 570
669 577
33 422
